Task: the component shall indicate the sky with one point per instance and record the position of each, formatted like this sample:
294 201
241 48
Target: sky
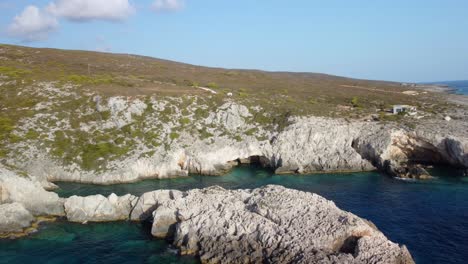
397 40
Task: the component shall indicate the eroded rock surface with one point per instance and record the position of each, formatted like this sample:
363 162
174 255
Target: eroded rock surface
14 218
28 192
98 208
144 206
270 224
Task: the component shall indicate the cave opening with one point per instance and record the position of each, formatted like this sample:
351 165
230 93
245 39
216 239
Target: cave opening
255 161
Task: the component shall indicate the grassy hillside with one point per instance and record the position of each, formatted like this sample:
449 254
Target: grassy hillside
48 103
121 74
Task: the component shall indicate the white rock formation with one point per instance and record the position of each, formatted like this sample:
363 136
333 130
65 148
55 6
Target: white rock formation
270 224
145 205
30 193
97 208
14 218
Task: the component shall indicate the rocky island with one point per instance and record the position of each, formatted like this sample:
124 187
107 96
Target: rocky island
125 118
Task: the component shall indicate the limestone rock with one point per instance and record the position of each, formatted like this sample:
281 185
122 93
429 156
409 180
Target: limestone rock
14 218
97 208
318 145
270 224
307 145
144 206
29 193
231 115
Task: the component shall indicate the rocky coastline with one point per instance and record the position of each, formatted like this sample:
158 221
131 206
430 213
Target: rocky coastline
308 145
122 139
272 223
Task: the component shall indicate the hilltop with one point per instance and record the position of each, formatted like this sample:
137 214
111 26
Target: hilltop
131 75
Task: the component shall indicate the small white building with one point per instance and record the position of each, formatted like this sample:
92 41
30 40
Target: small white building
411 110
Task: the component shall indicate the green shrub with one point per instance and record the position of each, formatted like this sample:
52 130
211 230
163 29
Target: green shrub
32 135
243 95
184 121
201 113
127 129
251 131
190 83
61 144
185 112
94 80
6 126
13 72
94 155
174 135
204 134
212 85
105 115
355 102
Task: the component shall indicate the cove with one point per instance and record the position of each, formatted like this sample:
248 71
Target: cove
430 217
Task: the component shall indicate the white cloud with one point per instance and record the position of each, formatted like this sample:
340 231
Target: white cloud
168 5
86 10
32 24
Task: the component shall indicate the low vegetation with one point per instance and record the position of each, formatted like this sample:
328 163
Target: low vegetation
63 121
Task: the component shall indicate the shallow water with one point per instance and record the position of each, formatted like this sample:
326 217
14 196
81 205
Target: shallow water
71 243
430 217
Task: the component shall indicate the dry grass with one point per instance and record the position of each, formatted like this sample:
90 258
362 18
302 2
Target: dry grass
130 75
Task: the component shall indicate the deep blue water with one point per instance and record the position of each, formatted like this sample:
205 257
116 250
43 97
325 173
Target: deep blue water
430 217
460 86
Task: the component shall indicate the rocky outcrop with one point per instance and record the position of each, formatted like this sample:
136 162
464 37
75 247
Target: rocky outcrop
318 145
14 218
397 152
270 224
97 208
142 209
29 193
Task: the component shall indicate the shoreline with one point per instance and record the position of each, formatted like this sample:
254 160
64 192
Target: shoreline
436 88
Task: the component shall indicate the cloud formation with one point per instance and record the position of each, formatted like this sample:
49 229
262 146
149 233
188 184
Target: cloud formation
36 23
167 5
32 24
86 10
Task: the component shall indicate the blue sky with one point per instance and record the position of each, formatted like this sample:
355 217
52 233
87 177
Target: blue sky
400 40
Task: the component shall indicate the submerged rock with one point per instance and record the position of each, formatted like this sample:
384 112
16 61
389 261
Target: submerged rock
97 208
270 224
14 218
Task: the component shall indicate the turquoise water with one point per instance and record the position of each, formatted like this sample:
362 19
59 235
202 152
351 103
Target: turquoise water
430 217
71 243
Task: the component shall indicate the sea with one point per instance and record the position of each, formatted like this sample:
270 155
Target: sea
460 87
430 217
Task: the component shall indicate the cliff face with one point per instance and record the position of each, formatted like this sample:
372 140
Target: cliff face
309 145
71 134
269 224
